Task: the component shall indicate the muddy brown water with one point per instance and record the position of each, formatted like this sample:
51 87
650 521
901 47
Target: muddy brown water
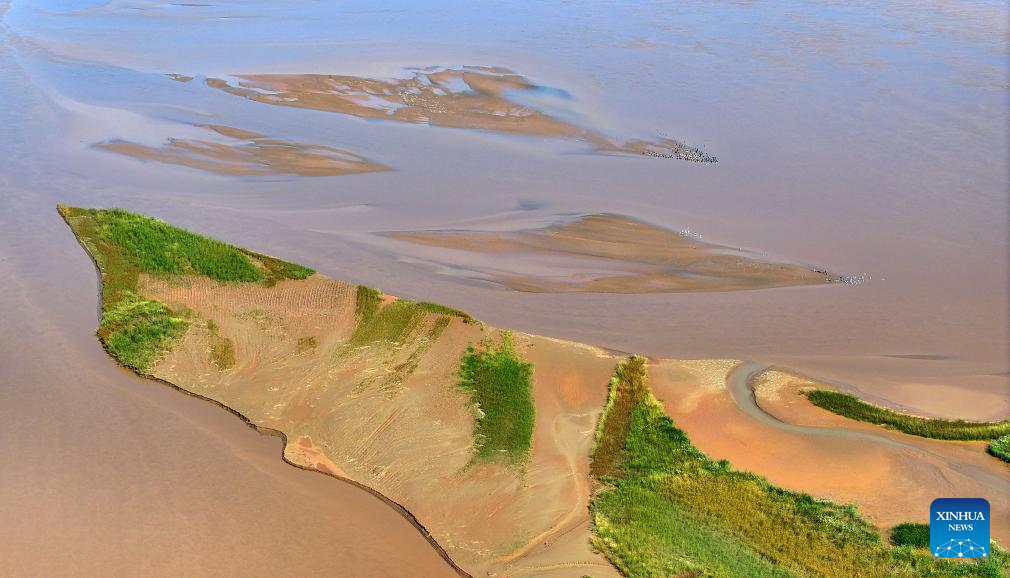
862 139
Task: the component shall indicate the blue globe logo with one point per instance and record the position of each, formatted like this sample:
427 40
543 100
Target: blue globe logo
960 548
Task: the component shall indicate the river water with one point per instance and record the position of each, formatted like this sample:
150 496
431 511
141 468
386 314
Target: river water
866 138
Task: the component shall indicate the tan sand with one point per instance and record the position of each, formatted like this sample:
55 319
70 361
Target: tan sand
472 97
246 153
890 484
606 254
404 433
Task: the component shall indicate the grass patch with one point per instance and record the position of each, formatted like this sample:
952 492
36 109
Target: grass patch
391 324
629 380
664 508
396 321
1000 448
275 270
852 407
911 534
367 304
222 353
222 349
445 310
135 330
391 380
499 382
126 244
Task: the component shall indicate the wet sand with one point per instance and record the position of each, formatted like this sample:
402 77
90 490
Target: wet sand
247 153
605 254
470 97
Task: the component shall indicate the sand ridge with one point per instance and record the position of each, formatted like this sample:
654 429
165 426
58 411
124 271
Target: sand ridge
236 152
603 253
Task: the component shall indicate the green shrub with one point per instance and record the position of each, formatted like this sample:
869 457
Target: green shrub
499 382
911 534
852 407
136 331
1000 448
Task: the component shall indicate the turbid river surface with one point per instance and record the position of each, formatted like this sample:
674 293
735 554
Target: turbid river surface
869 139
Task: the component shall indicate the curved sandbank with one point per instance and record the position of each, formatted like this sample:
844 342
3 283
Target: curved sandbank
494 99
602 253
364 386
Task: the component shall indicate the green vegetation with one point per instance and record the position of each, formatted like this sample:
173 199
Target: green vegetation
1001 448
629 380
135 331
368 302
400 322
222 349
911 534
275 270
124 245
852 407
498 381
396 321
391 380
663 508
445 310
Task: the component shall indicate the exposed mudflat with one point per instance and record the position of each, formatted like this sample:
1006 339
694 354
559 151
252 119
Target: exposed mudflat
605 253
469 97
239 152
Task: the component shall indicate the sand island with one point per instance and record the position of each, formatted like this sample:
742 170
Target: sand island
516 454
232 151
489 98
606 253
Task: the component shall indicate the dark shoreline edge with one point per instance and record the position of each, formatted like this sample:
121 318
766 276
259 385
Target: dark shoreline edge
396 506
